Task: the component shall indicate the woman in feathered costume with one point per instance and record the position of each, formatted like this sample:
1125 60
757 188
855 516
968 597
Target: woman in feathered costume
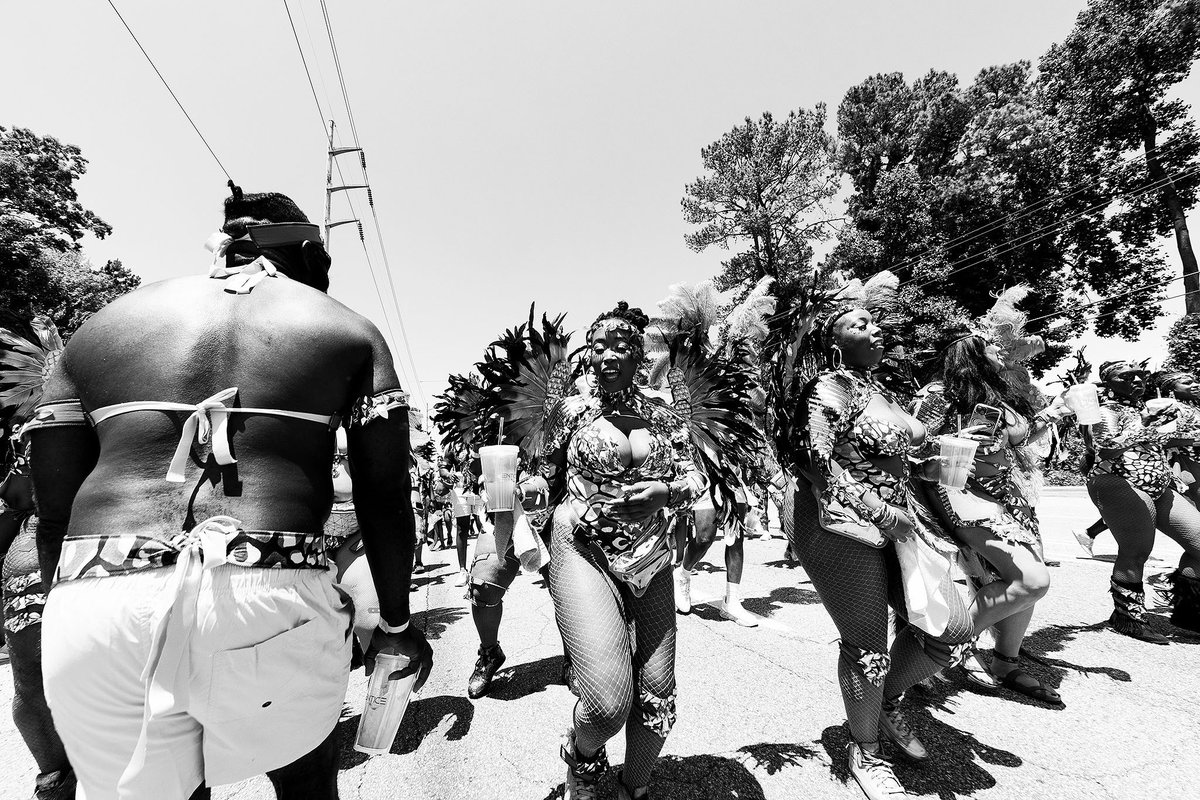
1131 481
524 371
979 380
24 367
1181 386
617 463
705 355
852 447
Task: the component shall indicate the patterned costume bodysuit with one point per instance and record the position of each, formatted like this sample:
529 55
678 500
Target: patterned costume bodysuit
852 565
1141 459
993 498
610 580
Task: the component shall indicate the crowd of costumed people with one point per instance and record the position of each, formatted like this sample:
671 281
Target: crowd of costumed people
298 501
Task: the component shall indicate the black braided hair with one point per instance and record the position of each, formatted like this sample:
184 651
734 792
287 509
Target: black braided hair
634 316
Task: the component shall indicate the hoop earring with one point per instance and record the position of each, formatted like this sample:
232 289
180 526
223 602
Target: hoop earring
589 377
835 356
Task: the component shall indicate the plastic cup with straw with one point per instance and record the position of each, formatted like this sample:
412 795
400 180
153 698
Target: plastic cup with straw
499 462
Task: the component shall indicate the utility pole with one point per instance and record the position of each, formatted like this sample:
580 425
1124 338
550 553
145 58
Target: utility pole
334 152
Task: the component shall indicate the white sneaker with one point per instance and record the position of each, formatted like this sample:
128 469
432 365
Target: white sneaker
1085 541
683 590
874 775
732 609
463 577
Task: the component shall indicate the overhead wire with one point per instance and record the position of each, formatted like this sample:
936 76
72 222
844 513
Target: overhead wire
1072 309
387 268
304 61
1024 239
1164 300
341 176
1022 213
174 97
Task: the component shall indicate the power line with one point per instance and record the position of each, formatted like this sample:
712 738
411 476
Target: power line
312 45
387 267
1020 241
403 339
977 233
1165 299
304 61
337 63
992 252
1102 300
172 92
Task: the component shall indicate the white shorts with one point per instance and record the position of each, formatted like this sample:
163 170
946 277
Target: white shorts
250 680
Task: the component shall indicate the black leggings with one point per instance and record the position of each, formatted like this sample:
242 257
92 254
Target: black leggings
1133 516
857 583
616 642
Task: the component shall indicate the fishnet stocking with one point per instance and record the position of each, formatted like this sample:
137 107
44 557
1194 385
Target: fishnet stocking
595 614
856 584
29 710
1133 516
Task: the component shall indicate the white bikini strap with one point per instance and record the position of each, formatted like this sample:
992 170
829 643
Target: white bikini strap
244 278
209 421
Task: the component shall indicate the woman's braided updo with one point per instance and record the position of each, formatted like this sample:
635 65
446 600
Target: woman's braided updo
635 318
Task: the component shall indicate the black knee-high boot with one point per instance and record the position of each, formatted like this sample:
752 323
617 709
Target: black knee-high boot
1187 601
1129 610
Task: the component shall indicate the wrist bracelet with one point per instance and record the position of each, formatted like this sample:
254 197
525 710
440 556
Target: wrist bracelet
672 495
383 626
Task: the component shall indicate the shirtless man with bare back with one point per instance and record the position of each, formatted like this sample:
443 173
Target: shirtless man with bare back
181 460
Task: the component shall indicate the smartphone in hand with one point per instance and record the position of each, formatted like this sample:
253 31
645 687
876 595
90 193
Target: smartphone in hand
988 417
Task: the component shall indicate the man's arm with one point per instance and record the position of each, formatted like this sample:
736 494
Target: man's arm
61 458
378 445
378 438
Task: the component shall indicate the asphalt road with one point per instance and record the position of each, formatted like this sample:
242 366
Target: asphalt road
760 714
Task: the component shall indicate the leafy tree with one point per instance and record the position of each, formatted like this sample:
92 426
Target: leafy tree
768 184
963 192
1108 83
1183 343
41 225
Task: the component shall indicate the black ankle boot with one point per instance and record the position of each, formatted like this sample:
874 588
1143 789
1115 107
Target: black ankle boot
1186 613
490 659
1128 617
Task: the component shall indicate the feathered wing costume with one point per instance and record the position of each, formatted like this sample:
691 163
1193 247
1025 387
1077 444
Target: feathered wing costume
461 413
25 366
704 353
528 372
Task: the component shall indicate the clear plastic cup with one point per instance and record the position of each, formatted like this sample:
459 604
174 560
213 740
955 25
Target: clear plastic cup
499 462
957 456
1156 404
1083 399
385 705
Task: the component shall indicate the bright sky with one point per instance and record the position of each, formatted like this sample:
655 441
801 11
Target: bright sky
518 151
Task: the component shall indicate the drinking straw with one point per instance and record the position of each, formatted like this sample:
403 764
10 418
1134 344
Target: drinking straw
500 436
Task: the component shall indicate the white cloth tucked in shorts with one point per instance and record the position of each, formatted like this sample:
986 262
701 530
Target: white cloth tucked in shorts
163 679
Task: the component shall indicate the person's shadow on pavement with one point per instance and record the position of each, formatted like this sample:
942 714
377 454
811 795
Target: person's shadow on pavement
699 777
951 770
521 680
